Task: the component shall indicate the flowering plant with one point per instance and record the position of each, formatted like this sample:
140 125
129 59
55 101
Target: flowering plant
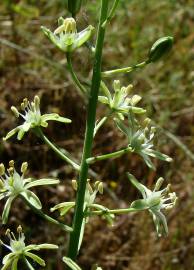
123 108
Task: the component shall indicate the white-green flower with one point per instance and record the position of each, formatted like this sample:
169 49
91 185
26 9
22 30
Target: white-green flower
12 184
66 37
120 103
32 118
90 196
89 204
140 139
155 201
19 250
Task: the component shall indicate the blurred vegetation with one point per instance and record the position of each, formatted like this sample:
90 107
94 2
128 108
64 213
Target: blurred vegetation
30 65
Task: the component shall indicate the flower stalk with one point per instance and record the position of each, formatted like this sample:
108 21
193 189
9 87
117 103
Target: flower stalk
90 125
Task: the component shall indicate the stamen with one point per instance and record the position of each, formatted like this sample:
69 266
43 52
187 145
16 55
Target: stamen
116 85
159 183
74 184
37 102
100 188
7 233
11 163
2 169
24 167
15 111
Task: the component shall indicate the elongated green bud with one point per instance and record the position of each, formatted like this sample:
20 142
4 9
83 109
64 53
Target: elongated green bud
160 48
74 6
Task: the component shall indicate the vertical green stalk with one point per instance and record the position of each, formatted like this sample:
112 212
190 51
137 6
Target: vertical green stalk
90 125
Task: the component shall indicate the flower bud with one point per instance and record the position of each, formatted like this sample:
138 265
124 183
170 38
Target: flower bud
160 48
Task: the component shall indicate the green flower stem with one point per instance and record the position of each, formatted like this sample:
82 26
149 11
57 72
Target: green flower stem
57 151
74 76
124 70
90 125
62 155
111 155
114 211
112 12
46 217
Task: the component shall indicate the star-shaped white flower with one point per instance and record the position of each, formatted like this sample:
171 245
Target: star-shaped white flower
140 138
66 37
19 250
32 118
120 103
12 184
155 201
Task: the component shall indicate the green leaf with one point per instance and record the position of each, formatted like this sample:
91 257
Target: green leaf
32 198
6 209
71 263
42 182
35 258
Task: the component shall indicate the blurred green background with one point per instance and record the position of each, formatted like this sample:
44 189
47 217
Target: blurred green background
30 65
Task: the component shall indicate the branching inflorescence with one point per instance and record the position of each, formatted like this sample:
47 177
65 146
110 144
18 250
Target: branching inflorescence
123 109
